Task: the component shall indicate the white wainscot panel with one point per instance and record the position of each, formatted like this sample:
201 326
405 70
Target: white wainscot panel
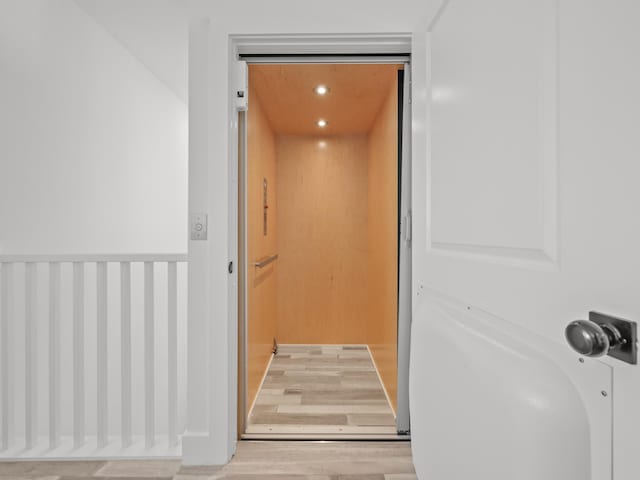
492 164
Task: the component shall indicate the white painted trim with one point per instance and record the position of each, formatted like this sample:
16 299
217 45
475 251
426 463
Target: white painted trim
213 430
531 258
337 59
233 218
90 258
386 394
356 44
197 449
91 451
209 438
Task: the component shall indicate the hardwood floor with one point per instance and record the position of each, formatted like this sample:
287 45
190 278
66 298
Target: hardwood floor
321 461
271 460
322 390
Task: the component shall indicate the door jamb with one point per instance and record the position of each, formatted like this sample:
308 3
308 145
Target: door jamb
367 44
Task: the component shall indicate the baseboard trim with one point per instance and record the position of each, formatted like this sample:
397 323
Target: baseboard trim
199 449
386 394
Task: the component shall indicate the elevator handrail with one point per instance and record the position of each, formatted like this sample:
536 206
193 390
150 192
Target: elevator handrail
263 262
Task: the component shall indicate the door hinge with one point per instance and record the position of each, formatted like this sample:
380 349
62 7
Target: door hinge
241 86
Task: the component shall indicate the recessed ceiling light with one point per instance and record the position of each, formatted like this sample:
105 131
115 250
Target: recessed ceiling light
321 89
322 123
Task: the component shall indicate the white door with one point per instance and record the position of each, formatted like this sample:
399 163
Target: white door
525 198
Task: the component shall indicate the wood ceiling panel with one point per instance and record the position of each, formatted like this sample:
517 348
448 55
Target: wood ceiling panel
287 95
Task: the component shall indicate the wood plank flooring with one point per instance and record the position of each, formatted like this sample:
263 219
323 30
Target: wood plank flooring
271 460
322 390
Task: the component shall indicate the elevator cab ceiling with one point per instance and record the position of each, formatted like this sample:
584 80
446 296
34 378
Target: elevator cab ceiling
290 101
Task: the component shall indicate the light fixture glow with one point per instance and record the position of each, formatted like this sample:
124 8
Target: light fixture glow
322 89
322 123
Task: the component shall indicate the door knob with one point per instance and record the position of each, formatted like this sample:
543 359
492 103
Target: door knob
590 339
603 335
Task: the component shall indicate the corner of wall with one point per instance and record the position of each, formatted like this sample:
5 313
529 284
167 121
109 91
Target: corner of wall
198 448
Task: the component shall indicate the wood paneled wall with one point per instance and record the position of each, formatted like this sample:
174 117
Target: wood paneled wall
382 234
333 222
322 239
261 283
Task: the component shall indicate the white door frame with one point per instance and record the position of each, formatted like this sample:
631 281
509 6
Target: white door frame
385 44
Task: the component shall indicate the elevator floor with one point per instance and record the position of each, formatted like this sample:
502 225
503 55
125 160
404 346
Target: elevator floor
322 390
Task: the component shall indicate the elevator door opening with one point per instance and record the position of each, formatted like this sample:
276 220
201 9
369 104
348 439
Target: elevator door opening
321 197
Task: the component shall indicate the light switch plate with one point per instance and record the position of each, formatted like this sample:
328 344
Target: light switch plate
199 226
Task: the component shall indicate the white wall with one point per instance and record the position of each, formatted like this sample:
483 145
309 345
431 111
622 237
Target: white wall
93 159
93 147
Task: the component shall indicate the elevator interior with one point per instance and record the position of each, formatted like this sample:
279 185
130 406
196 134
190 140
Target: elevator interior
321 238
